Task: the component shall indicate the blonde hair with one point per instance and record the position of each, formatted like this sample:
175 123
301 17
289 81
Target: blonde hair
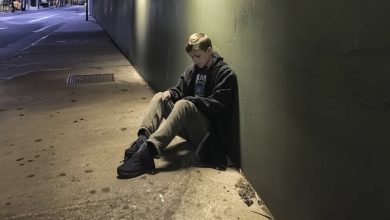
198 41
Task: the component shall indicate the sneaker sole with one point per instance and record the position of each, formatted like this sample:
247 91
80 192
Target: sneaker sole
204 165
122 175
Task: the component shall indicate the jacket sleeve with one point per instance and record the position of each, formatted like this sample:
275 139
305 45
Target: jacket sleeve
221 96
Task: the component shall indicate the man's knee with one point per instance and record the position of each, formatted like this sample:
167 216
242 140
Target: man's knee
158 95
184 104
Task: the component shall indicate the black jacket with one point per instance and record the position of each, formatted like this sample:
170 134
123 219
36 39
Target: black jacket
216 105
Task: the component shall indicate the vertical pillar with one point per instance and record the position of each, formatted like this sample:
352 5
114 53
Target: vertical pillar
86 10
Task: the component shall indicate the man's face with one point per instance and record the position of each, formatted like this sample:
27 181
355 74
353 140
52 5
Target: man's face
201 58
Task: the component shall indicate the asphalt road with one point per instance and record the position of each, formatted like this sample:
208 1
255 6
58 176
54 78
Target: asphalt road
21 31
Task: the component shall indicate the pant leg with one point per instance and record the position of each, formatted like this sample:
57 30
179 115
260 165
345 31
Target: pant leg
184 116
157 111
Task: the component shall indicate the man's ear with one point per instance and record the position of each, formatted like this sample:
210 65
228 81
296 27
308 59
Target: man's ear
209 50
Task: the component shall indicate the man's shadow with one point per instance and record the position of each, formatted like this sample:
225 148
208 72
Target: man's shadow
176 156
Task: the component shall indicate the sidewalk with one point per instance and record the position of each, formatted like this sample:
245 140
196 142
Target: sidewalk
60 144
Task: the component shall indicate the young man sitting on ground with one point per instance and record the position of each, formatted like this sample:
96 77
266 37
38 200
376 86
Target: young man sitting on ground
194 109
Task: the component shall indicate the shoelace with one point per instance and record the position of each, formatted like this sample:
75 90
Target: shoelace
137 153
124 160
134 143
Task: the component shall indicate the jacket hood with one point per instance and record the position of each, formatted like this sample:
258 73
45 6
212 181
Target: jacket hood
217 60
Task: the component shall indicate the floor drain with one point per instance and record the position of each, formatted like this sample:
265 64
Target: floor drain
89 79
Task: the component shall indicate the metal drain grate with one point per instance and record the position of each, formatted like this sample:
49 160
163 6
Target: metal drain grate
88 79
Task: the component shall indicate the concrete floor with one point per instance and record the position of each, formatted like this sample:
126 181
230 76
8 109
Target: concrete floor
60 145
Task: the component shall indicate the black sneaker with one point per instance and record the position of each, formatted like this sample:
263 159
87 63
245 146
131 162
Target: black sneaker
134 147
139 163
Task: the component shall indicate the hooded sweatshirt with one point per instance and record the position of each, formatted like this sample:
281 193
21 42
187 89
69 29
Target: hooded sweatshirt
218 90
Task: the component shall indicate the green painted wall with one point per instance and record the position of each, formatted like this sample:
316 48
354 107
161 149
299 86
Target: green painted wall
314 94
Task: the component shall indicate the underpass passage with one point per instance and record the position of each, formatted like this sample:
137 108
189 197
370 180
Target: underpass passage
60 144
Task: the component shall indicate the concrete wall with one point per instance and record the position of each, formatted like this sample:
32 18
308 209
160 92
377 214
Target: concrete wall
314 94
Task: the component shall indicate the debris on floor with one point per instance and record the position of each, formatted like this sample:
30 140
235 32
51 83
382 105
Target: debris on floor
248 194
245 191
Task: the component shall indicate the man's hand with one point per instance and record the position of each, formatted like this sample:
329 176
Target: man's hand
190 98
166 95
